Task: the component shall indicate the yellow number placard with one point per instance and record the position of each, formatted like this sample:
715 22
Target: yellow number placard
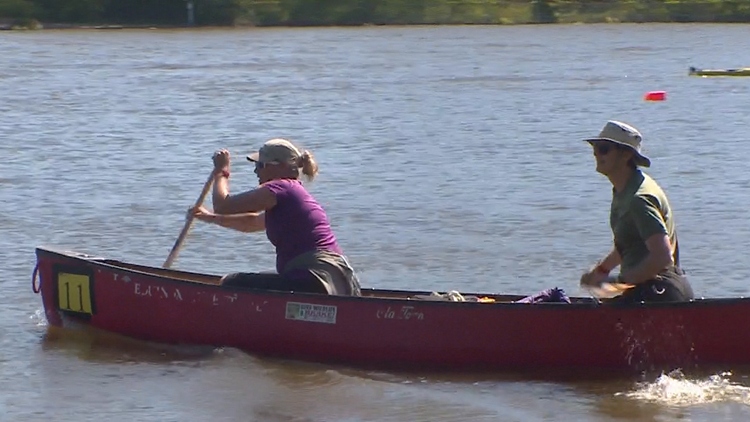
74 293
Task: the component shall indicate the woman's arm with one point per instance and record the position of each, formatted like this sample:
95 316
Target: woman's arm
256 200
245 222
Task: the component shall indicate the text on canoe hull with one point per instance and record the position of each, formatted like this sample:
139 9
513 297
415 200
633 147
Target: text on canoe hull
405 313
175 294
157 291
150 291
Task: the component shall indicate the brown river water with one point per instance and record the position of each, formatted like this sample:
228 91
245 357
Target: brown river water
451 158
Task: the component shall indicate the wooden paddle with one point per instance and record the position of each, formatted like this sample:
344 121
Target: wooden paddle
188 222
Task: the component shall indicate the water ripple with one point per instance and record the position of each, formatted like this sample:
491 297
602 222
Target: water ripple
451 158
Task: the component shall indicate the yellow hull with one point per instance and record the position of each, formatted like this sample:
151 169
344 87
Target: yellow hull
745 71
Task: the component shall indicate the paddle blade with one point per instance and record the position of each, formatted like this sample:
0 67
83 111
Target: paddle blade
608 290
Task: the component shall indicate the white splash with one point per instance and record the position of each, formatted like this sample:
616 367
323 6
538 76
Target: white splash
38 316
675 390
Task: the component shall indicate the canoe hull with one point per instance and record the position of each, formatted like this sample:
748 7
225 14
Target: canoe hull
385 330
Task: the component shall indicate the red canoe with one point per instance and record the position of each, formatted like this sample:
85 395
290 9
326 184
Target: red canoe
389 329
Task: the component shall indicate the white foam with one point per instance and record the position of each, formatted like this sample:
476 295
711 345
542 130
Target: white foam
675 390
38 316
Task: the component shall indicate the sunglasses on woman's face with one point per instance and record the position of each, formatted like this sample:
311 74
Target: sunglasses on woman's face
603 148
261 166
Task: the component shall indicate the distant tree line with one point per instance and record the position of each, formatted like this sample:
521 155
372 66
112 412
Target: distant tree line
359 12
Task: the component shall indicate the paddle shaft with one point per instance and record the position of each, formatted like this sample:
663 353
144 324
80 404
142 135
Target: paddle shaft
188 223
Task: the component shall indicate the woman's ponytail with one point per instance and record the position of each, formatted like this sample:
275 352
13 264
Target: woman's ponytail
308 164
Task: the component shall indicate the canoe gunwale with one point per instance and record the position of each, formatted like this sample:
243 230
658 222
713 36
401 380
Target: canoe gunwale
369 294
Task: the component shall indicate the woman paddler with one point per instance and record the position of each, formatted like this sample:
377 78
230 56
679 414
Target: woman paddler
308 257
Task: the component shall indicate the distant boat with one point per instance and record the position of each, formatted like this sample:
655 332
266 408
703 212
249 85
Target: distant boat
743 71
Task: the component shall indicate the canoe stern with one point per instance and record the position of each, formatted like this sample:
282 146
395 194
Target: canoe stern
66 281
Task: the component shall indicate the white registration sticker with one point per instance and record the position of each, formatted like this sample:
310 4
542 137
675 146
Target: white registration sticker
310 312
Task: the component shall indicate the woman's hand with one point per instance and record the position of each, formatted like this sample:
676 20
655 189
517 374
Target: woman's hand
201 213
221 160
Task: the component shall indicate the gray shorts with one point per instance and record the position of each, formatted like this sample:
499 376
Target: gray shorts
320 272
330 269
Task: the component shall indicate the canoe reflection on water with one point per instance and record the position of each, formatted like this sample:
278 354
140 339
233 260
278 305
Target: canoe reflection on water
277 389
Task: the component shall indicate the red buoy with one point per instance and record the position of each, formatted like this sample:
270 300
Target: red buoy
655 96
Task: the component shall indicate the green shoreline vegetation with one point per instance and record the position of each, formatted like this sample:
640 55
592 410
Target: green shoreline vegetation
38 14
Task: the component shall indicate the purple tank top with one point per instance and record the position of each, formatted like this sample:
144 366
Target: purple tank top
297 223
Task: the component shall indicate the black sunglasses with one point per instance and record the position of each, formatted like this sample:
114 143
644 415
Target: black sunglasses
603 148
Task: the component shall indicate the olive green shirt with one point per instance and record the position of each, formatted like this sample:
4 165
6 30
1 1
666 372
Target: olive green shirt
640 211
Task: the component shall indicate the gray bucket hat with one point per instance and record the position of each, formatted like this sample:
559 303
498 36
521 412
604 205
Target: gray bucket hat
625 135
